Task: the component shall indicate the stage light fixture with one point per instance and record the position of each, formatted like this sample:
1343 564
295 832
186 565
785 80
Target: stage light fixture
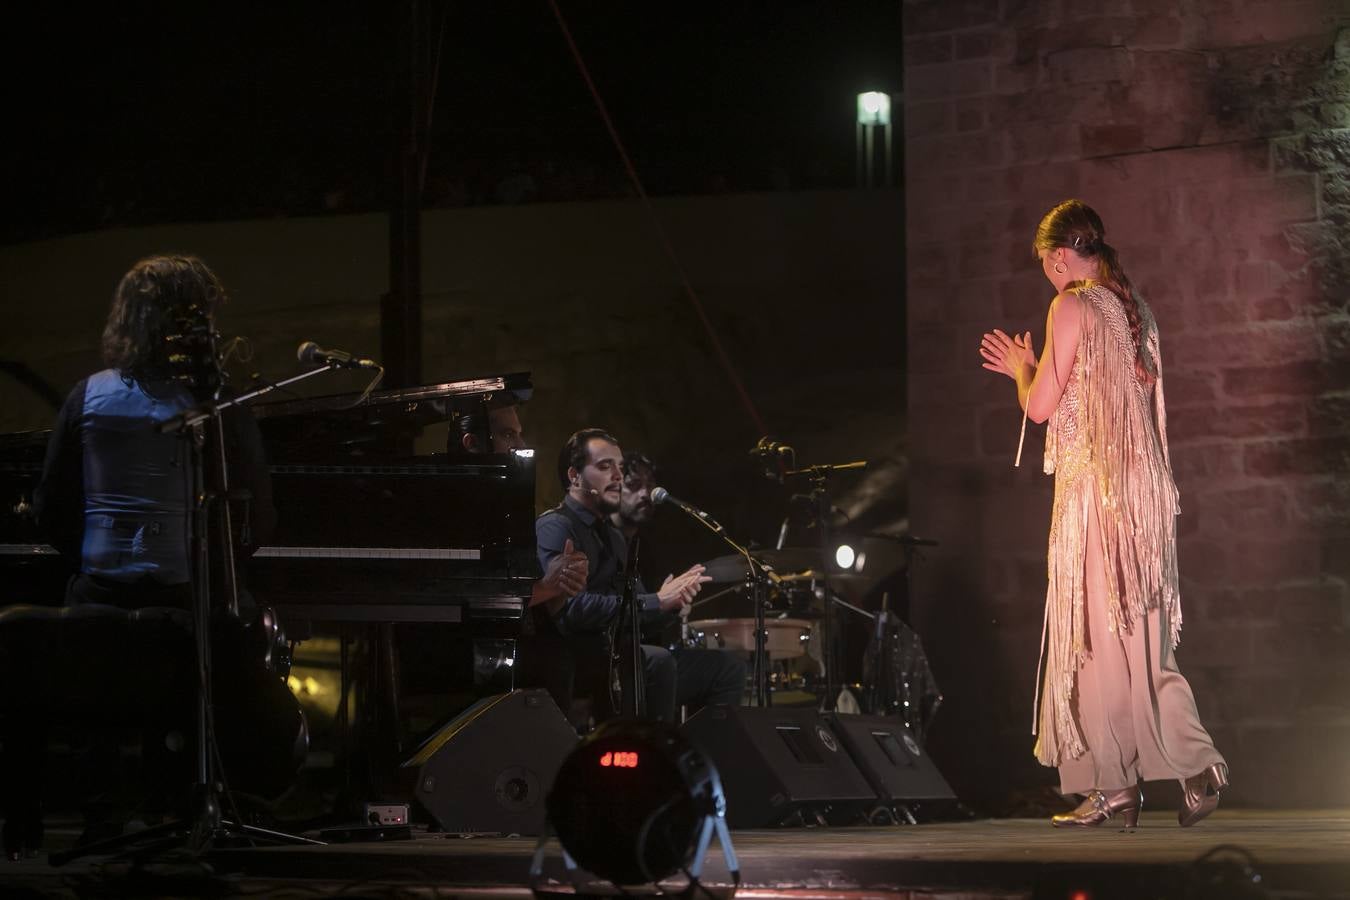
874 108
845 556
874 111
636 803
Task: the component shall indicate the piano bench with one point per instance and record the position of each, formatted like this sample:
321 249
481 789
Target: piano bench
94 672
95 664
85 673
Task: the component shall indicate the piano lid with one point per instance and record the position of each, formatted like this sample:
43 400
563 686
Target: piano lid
386 424
434 400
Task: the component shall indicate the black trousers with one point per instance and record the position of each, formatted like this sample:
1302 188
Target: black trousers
691 677
85 588
23 772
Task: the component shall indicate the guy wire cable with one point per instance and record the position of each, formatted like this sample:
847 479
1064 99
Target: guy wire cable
664 239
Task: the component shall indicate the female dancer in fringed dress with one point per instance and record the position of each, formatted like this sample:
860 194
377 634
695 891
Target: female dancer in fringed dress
1113 708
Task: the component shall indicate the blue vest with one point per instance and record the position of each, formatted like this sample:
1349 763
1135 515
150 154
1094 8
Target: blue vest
137 482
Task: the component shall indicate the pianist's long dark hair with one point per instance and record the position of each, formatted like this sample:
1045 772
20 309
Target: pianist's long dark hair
149 307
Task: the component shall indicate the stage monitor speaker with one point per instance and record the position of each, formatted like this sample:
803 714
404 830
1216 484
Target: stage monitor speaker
780 766
891 760
489 768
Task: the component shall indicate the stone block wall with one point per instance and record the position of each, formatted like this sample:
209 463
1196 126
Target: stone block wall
1212 137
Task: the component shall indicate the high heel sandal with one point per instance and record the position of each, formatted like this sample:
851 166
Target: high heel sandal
1101 806
1200 794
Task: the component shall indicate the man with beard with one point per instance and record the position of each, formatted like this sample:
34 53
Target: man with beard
591 471
715 674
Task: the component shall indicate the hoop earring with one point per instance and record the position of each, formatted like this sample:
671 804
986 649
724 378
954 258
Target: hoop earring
1060 268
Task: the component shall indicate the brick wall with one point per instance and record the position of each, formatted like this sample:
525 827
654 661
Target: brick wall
1212 136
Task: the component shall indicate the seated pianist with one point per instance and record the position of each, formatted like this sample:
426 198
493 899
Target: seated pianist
486 427
494 427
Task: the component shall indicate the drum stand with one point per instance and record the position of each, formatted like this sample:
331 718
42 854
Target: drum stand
821 507
880 699
757 578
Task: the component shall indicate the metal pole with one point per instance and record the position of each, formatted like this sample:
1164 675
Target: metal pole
890 179
869 151
858 146
401 309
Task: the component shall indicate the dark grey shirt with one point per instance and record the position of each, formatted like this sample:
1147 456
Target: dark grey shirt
607 554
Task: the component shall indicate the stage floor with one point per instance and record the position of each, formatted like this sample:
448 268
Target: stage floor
1295 855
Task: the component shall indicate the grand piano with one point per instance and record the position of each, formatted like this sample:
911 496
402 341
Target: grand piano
376 525
419 559
373 524
379 529
31 571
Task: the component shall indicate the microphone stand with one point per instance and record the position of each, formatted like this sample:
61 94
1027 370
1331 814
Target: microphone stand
637 705
207 823
210 410
757 578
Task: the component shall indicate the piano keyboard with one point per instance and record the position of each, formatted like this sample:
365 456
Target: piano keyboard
366 553
299 552
27 550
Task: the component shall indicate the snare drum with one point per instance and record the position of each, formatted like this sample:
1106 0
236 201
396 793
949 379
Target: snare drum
785 639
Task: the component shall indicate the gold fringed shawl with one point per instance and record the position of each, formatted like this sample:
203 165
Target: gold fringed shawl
1106 445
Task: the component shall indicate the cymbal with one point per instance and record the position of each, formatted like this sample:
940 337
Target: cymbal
812 575
880 556
736 601
789 559
904 540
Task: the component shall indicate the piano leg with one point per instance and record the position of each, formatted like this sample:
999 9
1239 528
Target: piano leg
388 709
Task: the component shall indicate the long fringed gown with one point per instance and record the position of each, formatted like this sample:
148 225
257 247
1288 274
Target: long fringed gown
1113 707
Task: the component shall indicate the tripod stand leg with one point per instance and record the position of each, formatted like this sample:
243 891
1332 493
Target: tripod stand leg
206 821
146 840
194 836
267 834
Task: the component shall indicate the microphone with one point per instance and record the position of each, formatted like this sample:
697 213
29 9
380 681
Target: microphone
769 447
775 458
312 354
661 495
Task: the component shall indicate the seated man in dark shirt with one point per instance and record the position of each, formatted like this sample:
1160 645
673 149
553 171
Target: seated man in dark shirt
699 675
593 479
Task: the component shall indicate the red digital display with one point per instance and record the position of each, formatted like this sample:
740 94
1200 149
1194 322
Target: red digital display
620 759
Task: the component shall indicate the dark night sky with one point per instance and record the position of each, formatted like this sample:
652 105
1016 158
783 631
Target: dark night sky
139 113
